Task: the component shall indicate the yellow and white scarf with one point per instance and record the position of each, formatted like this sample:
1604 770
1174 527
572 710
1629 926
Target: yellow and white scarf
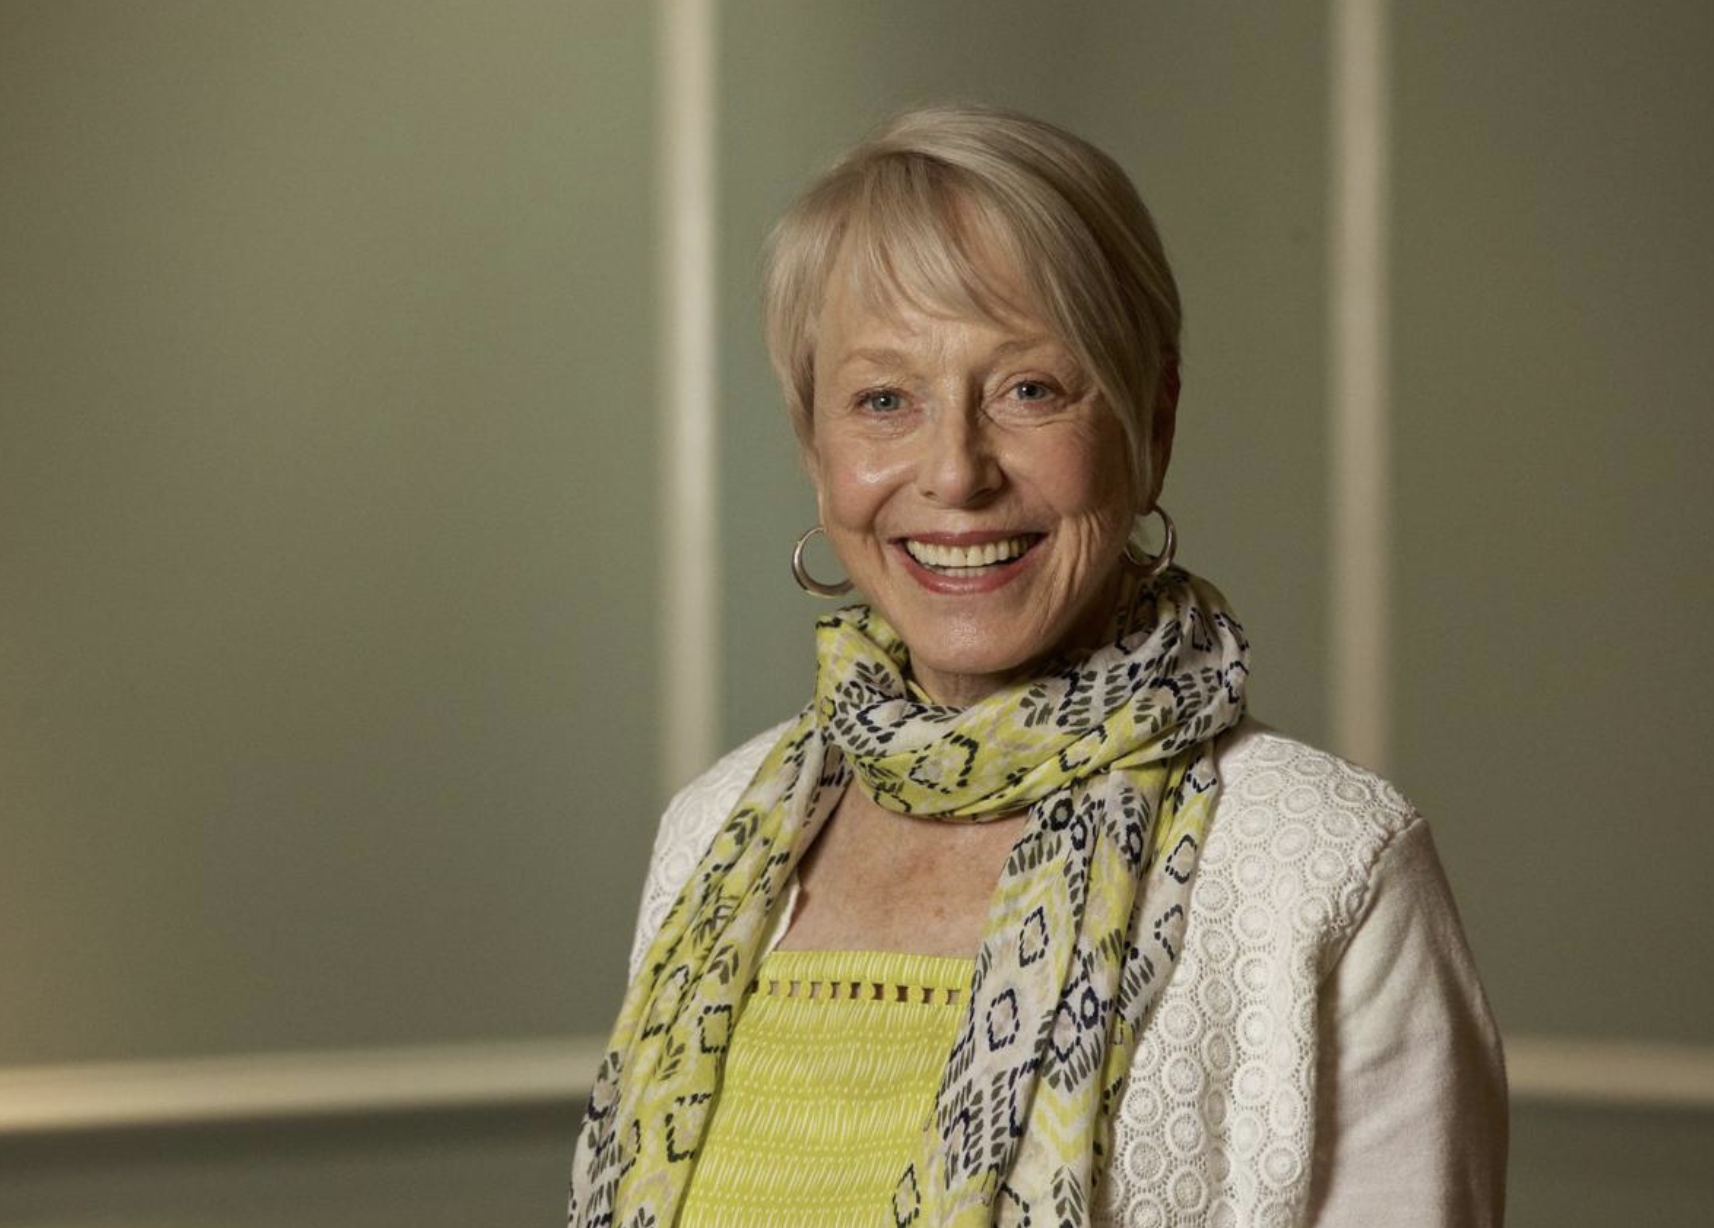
1113 756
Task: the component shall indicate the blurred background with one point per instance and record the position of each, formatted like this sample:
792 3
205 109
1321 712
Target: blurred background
355 523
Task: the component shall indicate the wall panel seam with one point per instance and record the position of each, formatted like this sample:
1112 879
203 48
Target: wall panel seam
689 536
423 1080
1359 485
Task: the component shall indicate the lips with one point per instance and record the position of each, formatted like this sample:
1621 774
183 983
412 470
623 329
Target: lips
961 555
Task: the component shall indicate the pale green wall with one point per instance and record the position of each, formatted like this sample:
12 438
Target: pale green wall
467 1170
1554 411
327 515
326 521
1555 422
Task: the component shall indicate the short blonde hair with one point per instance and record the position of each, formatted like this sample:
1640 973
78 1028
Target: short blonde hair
927 206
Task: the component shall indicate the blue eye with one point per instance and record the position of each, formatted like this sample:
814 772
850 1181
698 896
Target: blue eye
883 401
1031 390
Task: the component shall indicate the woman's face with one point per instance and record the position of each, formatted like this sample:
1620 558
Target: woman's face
972 482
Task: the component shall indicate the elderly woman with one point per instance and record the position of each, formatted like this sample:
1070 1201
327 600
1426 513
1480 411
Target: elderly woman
1021 920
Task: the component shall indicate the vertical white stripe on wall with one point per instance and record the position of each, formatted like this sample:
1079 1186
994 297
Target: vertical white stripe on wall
689 538
1360 468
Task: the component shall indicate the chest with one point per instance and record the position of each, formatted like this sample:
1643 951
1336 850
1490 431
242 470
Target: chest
879 881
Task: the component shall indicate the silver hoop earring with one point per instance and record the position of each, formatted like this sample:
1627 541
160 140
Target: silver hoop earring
807 582
1153 564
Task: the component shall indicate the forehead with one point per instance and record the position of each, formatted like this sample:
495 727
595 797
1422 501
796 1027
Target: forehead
863 315
889 341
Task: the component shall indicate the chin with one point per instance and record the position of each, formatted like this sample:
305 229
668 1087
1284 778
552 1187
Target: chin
970 661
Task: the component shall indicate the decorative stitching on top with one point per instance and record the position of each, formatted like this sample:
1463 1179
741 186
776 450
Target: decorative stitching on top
858 991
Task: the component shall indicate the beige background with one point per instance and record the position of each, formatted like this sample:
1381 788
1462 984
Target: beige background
330 400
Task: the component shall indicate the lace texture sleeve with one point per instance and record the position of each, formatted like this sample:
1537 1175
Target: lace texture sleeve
1323 1054
1411 1089
687 828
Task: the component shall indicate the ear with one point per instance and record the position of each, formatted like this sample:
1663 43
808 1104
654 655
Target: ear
1163 424
807 458
810 462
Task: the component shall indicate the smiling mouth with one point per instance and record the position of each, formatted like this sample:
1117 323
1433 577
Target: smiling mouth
973 560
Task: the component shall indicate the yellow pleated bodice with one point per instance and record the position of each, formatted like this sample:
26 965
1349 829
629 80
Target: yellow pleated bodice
831 1073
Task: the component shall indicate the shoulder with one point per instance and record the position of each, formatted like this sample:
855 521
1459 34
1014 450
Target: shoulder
711 796
1301 833
687 828
1263 768
1324 1016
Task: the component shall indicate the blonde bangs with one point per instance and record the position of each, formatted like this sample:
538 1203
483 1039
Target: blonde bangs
917 239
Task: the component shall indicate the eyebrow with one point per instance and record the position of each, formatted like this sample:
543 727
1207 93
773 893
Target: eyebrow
884 356
879 356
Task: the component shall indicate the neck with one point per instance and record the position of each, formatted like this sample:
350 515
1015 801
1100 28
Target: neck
961 690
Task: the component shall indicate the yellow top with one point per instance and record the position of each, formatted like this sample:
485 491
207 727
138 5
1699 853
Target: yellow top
831 1074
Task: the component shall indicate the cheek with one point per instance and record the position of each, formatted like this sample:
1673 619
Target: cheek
851 486
1089 482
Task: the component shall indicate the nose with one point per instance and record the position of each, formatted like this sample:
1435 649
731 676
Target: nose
958 466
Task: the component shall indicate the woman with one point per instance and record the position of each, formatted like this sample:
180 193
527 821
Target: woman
1021 921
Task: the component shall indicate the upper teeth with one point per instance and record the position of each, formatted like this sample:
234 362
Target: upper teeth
967 556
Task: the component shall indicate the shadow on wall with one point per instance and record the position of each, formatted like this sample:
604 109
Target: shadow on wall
442 1170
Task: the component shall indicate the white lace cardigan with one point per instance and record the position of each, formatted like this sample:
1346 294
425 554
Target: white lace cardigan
1323 1054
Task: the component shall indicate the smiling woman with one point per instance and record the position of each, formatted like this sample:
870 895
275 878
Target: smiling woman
1022 919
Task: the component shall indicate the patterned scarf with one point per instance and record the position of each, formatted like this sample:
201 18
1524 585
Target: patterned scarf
1111 754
